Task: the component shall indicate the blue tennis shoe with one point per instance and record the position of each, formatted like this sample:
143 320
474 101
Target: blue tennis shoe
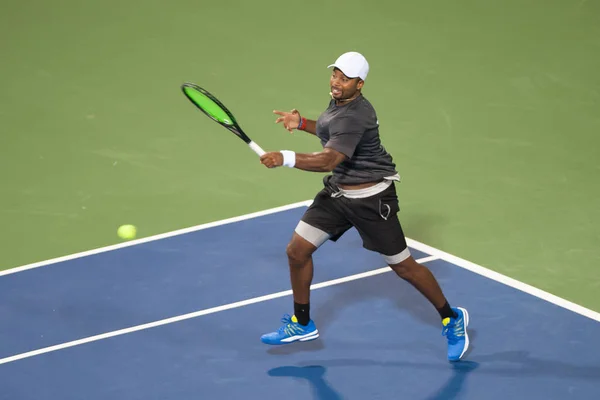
455 330
291 331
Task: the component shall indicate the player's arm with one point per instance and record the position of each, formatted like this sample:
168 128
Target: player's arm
345 133
324 161
308 125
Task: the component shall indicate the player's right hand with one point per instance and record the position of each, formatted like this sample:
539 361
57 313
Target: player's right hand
290 120
272 159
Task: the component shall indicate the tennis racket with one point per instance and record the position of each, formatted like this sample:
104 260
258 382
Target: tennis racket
215 110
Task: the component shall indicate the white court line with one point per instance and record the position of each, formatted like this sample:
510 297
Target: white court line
493 275
198 314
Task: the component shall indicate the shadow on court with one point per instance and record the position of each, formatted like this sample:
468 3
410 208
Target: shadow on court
323 390
510 364
314 375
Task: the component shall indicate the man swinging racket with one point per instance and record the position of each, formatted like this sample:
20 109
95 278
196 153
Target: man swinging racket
359 193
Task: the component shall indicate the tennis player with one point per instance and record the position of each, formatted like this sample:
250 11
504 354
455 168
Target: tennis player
359 193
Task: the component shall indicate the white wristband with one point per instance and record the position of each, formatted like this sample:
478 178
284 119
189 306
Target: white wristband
289 158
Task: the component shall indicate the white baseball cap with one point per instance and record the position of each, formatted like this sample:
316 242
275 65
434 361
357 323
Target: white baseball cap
352 64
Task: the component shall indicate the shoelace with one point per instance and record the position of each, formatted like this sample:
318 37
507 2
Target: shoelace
453 331
288 325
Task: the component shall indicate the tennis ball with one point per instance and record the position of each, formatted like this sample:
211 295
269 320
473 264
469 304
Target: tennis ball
127 232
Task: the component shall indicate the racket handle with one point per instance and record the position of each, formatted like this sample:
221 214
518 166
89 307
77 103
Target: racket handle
256 148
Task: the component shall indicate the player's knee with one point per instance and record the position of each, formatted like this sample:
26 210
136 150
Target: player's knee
297 255
406 268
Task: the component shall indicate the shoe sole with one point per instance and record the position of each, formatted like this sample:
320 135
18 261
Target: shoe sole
308 338
466 318
304 338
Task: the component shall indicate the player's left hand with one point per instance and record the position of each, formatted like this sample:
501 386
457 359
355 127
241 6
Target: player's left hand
272 159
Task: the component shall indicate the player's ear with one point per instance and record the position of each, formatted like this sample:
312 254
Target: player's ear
360 84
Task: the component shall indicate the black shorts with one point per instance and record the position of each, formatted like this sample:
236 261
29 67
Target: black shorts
374 217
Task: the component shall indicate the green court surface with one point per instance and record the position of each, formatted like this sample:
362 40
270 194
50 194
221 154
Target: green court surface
491 110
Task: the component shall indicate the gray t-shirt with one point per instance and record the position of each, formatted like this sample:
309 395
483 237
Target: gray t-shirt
353 129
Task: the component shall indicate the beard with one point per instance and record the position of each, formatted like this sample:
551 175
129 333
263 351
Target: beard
342 95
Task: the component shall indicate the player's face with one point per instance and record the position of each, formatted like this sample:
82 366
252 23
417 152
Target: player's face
342 87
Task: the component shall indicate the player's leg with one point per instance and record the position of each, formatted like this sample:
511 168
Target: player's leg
299 326
321 222
454 320
299 252
423 280
377 222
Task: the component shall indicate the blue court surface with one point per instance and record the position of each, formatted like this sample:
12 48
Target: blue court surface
180 317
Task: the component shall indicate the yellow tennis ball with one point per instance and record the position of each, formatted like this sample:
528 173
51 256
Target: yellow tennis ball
127 232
